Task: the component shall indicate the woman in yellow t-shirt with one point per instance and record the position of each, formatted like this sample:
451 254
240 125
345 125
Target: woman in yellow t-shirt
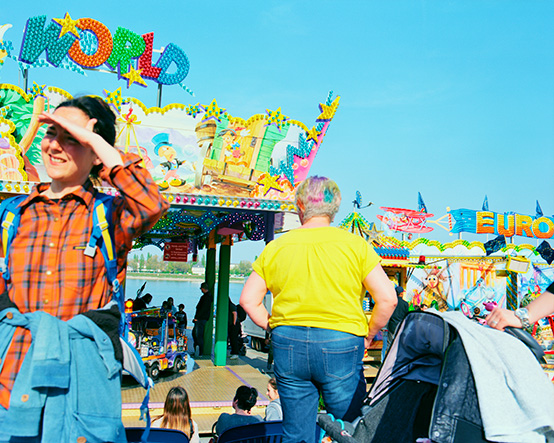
318 276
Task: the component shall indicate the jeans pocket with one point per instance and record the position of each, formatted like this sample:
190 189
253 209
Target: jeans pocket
282 357
340 363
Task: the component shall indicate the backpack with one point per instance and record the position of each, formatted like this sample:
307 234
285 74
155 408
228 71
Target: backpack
101 237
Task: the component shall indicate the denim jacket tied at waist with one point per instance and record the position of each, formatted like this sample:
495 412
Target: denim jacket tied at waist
69 379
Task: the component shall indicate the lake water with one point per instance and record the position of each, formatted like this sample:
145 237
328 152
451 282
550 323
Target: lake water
186 292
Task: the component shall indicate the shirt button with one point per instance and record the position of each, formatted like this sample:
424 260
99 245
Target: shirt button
24 398
82 440
46 301
9 315
56 219
51 245
48 272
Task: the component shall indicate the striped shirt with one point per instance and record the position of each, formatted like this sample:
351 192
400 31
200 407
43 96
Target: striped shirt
48 268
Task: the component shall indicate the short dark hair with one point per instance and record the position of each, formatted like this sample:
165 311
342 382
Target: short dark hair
246 397
204 286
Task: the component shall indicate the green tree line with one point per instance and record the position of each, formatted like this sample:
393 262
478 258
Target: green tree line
154 263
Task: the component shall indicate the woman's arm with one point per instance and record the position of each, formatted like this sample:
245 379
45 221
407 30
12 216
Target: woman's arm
541 307
383 293
252 297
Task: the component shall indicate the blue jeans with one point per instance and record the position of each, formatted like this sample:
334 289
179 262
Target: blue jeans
313 360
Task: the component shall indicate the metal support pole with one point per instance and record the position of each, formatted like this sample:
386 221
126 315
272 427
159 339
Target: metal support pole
222 311
159 97
26 80
209 275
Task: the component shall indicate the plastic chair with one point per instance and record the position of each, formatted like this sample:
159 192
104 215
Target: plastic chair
263 432
157 435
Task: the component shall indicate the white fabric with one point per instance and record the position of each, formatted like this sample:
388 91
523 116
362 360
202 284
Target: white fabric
516 398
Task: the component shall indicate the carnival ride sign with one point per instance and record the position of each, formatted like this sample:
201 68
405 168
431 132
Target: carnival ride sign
176 251
86 43
507 224
196 149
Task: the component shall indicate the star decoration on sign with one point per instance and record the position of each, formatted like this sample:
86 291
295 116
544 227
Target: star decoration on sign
276 118
37 90
373 233
328 111
194 110
115 99
68 25
213 111
269 182
133 76
313 134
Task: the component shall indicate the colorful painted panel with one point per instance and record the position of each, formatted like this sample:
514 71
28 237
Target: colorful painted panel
464 286
193 149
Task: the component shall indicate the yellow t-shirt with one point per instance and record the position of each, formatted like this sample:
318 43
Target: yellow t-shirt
316 278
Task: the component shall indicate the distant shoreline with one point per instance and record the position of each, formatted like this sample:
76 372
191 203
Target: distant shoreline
153 276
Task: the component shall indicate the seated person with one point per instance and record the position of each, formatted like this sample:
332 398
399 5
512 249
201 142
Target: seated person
244 401
273 410
177 414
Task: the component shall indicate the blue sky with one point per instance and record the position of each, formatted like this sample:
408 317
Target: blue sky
453 99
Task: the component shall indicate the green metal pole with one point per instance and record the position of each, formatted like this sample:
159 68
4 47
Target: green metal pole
222 312
210 280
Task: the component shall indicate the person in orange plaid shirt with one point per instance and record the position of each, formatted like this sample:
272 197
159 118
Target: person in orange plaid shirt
48 268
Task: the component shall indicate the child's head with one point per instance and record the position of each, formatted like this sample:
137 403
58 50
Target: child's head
245 397
272 389
177 410
181 307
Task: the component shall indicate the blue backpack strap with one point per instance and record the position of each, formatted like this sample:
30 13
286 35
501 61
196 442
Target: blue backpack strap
10 215
103 236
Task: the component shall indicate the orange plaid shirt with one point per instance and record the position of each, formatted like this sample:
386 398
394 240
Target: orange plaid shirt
48 268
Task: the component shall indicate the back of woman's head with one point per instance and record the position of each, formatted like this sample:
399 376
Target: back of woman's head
246 397
177 410
94 107
319 196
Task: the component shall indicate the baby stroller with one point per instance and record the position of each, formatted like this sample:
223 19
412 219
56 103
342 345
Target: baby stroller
425 389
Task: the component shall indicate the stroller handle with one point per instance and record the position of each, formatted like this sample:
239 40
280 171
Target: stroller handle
528 341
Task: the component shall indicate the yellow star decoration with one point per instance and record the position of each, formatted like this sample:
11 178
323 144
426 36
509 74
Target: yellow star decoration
313 134
270 183
114 98
276 118
328 111
37 90
68 25
213 111
133 76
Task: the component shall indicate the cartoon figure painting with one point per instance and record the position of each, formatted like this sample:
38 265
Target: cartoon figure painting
231 151
165 150
433 291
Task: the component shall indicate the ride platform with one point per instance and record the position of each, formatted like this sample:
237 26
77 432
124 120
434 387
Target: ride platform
210 388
